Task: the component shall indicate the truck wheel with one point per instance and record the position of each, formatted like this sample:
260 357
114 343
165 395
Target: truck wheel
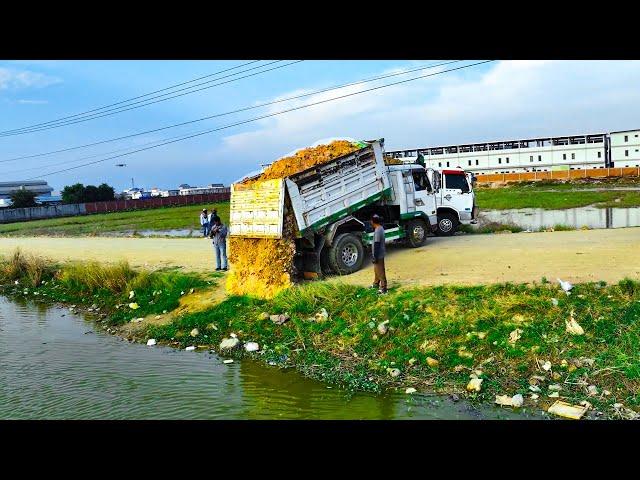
416 233
347 254
447 224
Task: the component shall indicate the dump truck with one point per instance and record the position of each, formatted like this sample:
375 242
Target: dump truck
332 204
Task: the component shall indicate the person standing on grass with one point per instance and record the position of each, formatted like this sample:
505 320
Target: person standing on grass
219 236
213 216
204 222
378 253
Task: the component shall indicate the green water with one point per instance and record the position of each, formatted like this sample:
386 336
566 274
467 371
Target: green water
55 365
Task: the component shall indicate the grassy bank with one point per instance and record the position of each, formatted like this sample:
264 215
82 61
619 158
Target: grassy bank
430 339
527 197
167 218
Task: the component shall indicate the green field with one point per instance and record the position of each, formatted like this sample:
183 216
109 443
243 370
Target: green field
152 219
553 197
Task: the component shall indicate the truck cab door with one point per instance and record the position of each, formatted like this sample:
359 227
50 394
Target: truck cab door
425 197
457 193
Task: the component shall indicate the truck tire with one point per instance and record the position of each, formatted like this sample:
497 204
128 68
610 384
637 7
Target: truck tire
346 254
416 232
447 224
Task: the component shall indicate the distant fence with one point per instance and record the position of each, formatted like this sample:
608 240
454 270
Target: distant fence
9 215
560 174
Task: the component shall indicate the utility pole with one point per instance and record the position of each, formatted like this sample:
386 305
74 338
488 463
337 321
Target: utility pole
132 182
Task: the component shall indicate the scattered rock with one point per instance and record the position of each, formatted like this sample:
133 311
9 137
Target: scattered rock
229 343
251 347
279 319
195 332
534 396
454 397
151 342
534 388
546 366
410 390
474 385
432 362
190 349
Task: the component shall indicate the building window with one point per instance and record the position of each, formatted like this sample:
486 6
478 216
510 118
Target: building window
477 160
439 164
469 162
573 156
499 160
447 164
626 138
539 158
531 158
564 156
507 159
626 153
599 154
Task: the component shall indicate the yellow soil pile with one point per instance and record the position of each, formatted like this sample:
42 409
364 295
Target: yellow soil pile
264 266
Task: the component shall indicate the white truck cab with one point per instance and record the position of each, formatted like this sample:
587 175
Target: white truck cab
455 198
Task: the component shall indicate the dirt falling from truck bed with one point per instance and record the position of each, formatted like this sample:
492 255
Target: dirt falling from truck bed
264 266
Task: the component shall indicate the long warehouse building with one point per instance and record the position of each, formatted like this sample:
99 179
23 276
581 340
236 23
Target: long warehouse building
574 152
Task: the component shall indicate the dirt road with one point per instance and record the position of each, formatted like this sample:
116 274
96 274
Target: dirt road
578 256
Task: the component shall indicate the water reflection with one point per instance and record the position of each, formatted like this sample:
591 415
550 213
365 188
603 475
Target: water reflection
54 365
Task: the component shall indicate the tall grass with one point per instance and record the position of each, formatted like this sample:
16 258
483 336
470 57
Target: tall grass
26 267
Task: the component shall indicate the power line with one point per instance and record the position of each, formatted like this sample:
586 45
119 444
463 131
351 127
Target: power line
130 99
157 101
295 97
263 117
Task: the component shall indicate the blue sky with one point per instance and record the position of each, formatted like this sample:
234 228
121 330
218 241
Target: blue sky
493 101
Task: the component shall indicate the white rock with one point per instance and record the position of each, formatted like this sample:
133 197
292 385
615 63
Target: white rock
195 332
474 385
546 366
251 347
517 400
410 390
190 349
229 343
151 342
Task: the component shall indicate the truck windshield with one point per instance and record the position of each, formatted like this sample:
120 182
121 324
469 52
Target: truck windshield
421 181
458 182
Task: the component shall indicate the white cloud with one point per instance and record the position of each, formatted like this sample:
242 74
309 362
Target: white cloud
511 99
12 79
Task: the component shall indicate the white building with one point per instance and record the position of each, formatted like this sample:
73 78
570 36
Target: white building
40 187
575 152
212 188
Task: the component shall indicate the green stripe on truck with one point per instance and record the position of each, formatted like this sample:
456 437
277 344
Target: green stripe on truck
345 211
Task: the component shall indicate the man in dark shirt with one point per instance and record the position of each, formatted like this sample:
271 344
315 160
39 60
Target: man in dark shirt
378 252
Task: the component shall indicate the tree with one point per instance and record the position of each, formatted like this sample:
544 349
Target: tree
106 193
23 198
90 193
73 193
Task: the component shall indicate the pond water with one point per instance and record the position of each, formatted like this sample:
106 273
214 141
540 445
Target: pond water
592 217
55 365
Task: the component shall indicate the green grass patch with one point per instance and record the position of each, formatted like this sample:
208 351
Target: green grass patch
166 218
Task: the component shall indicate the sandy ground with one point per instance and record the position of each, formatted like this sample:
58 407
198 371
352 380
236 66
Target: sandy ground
578 256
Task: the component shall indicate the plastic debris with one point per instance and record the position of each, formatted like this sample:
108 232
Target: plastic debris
279 319
190 349
534 396
131 294
322 315
134 306
546 366
413 360
555 387
566 410
573 327
554 301
592 390
195 332
192 290
554 395
515 336
566 286
606 392
382 327
432 362
251 347
474 385
394 372
227 361
151 342
534 388
507 401
181 293
229 343
410 390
